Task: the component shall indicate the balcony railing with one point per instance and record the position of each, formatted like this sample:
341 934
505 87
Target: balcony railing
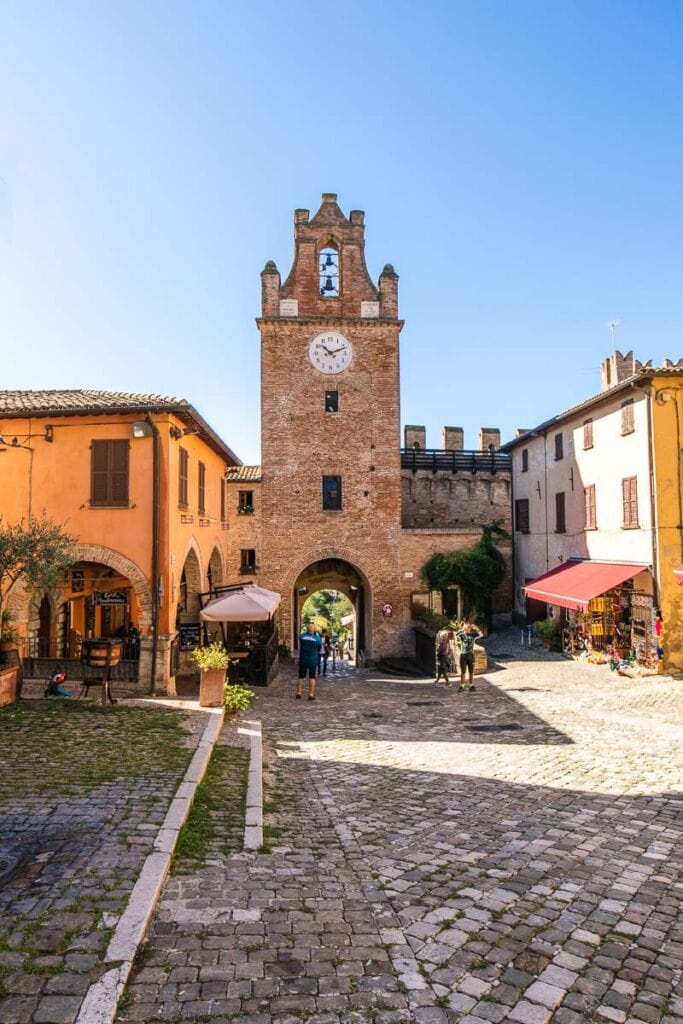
436 459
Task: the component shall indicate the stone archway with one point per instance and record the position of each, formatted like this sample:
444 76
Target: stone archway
215 570
331 569
190 585
123 567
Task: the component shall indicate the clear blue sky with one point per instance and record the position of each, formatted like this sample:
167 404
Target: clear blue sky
520 164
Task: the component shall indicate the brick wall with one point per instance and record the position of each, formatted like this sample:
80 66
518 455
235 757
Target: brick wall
447 500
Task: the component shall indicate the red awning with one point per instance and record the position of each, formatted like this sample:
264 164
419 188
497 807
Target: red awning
678 573
573 584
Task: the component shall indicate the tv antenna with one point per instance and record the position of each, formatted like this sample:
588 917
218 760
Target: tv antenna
613 324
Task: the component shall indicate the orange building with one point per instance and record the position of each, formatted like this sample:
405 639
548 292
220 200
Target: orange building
139 480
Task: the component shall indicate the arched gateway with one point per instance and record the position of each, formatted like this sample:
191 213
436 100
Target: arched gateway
332 573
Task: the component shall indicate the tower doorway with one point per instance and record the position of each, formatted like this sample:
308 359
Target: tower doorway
335 576
333 613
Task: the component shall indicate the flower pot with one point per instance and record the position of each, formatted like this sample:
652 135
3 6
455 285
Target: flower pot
211 686
8 685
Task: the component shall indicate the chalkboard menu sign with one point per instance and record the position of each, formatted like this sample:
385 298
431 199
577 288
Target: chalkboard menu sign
189 636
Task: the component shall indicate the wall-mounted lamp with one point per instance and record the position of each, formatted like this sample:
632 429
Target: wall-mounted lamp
141 428
49 433
176 432
303 590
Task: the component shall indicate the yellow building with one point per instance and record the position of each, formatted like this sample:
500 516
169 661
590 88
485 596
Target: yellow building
139 480
667 452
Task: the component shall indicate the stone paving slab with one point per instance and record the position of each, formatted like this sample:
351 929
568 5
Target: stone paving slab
418 869
82 797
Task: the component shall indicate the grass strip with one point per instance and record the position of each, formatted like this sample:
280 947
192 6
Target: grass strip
215 823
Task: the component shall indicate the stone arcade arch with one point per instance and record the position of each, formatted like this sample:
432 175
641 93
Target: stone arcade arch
332 569
190 584
124 567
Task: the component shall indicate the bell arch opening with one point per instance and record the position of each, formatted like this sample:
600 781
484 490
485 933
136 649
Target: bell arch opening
339 576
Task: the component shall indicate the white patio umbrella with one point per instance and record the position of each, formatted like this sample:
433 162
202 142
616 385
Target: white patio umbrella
248 604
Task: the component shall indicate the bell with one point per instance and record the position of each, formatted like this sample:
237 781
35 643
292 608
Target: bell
329 287
329 262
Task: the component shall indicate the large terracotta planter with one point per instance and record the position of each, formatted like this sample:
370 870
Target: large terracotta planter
211 686
8 685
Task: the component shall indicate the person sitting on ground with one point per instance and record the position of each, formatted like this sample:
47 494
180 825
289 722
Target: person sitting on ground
467 637
54 686
309 651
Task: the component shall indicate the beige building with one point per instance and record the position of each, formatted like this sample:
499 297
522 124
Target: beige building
588 507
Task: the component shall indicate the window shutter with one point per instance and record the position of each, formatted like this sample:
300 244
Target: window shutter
182 478
630 501
222 501
119 473
627 423
99 462
588 433
201 487
560 525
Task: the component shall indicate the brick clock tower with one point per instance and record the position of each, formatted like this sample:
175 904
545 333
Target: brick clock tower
330 429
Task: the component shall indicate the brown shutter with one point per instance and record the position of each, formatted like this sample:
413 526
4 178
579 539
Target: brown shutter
588 433
201 487
118 494
222 501
183 460
560 525
627 423
99 476
629 488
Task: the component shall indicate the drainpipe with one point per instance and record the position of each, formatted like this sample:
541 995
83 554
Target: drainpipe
653 503
545 498
155 549
513 559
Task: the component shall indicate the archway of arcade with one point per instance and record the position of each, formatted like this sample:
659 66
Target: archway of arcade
94 600
336 574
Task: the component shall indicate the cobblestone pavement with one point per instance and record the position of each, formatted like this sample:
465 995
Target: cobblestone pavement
81 800
514 853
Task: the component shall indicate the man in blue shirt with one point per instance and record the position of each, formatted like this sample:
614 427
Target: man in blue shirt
309 651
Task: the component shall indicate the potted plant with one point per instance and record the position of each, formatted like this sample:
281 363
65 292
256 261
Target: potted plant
547 631
237 697
213 662
9 634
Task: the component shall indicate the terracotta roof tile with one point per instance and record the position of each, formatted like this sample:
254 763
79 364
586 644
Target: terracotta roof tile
244 475
77 401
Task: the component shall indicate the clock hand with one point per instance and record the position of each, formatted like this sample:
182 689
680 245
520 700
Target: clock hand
334 351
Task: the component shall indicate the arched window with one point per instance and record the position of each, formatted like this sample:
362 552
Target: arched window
328 272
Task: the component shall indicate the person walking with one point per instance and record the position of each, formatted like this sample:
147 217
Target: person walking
309 651
467 636
325 651
443 656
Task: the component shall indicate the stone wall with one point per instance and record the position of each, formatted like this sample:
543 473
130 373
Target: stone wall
454 501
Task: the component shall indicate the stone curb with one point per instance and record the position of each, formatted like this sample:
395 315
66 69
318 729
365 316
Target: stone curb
101 1000
253 821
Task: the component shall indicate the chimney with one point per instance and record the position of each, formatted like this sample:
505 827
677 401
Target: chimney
388 292
521 430
415 437
270 290
452 439
615 369
489 436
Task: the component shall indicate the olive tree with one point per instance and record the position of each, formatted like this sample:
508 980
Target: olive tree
34 554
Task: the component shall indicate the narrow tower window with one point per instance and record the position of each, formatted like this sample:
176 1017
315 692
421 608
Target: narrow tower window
328 267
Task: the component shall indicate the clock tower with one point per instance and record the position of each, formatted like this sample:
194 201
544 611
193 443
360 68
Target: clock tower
330 429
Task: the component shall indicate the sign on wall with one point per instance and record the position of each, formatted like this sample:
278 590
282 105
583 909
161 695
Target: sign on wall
189 636
387 610
111 597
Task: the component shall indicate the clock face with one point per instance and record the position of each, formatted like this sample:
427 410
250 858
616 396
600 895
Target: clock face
330 352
